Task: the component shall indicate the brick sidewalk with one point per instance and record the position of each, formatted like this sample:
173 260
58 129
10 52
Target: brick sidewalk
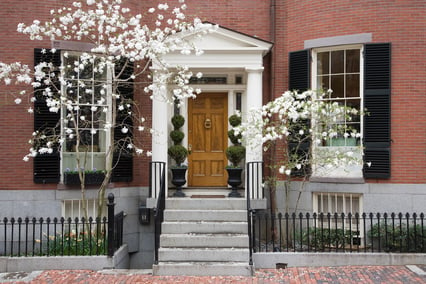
348 274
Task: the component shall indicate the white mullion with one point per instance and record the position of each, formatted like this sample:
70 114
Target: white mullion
336 201
344 204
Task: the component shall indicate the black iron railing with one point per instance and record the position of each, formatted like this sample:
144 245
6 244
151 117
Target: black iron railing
158 182
254 189
305 232
62 236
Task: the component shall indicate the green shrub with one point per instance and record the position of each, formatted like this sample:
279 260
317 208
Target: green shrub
178 121
321 238
177 136
235 139
235 154
398 238
81 244
234 120
178 153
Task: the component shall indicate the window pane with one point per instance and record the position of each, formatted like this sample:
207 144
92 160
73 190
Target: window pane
338 86
323 63
100 70
99 92
352 61
337 62
352 85
323 83
356 105
71 66
87 71
71 90
86 92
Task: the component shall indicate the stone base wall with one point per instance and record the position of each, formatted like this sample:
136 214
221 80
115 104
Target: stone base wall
48 203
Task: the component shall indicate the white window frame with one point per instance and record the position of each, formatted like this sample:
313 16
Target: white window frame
333 198
73 208
352 171
108 118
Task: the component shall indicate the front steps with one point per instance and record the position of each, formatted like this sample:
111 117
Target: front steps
204 236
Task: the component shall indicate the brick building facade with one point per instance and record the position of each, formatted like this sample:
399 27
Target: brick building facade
317 30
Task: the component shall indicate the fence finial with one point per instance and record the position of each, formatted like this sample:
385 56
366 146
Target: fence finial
111 198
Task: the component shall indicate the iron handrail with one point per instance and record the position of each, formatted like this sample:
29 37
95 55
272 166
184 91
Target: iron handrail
160 206
252 176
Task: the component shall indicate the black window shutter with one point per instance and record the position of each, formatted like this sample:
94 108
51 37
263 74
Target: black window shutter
123 157
377 96
299 70
299 79
46 167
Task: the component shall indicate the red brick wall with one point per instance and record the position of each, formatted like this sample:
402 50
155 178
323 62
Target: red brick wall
16 125
403 23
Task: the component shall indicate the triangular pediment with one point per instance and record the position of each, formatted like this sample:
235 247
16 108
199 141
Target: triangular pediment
227 39
222 48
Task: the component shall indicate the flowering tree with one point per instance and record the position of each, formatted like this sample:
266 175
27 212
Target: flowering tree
304 122
90 90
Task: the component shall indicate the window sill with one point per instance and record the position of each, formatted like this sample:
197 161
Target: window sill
353 180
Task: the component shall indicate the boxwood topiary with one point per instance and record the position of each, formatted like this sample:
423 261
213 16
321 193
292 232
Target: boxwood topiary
177 136
235 154
235 139
234 120
178 121
178 153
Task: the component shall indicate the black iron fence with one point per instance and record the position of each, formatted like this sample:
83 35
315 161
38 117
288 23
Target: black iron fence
158 187
62 236
305 232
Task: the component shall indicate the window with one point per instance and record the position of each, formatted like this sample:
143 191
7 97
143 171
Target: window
327 202
73 208
340 71
341 203
375 91
89 113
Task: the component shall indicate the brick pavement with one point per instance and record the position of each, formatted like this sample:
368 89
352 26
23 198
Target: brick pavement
346 274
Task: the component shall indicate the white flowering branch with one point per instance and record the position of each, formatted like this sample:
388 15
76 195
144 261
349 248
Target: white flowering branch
121 39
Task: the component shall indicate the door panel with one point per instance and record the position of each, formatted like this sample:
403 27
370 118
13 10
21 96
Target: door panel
207 129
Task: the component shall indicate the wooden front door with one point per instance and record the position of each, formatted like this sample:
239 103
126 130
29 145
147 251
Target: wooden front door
207 140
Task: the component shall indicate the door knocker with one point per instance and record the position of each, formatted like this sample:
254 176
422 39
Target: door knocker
207 124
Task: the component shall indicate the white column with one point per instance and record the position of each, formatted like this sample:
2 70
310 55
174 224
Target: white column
254 153
160 121
254 100
254 150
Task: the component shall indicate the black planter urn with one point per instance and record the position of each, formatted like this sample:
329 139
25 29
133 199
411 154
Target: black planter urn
234 180
178 180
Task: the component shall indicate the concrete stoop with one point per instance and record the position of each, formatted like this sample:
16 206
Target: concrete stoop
203 269
204 237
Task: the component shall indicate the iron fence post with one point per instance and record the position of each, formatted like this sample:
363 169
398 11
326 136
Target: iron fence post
110 206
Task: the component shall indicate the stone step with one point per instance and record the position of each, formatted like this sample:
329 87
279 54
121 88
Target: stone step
205 215
203 269
204 240
204 227
206 203
203 254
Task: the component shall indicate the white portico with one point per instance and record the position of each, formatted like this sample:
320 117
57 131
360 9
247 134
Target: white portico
232 65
